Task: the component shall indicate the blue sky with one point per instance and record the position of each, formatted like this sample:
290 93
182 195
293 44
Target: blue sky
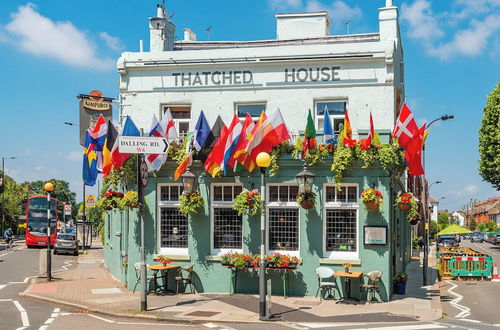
52 50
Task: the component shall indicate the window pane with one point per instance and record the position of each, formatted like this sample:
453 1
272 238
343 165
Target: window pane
284 229
340 230
173 228
273 193
217 193
334 107
227 229
183 128
170 193
352 195
330 194
294 190
338 124
174 193
179 112
283 194
228 193
164 195
237 190
253 109
342 194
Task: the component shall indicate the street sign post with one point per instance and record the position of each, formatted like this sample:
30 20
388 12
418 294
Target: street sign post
142 145
67 209
90 201
144 174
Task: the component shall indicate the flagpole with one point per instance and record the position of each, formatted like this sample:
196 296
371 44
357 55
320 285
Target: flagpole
144 302
83 218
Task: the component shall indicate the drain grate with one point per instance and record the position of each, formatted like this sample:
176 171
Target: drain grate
203 313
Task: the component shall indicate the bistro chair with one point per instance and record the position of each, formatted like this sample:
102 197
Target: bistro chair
137 268
325 273
185 275
372 284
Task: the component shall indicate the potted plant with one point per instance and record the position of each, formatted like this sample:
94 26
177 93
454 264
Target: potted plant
248 202
372 199
191 203
399 281
306 199
110 200
163 259
347 267
130 200
278 260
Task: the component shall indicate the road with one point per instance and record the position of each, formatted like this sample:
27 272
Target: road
473 300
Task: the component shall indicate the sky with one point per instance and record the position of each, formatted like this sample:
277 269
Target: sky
53 50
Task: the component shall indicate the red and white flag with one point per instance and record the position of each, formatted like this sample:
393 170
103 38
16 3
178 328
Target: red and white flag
367 141
405 128
155 161
167 122
413 153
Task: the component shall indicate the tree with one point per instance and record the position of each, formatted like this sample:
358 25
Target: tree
472 224
481 227
489 140
433 229
492 226
443 219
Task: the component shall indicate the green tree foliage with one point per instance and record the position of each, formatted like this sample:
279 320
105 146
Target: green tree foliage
14 195
472 224
443 218
491 226
433 229
481 227
489 140
61 192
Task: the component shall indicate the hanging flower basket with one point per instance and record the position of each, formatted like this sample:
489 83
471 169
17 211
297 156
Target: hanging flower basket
407 202
247 202
372 199
307 204
404 206
306 199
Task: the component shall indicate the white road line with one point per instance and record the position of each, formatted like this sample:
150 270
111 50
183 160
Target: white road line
464 311
24 315
407 327
43 327
313 325
5 299
101 318
136 323
208 325
473 321
2 286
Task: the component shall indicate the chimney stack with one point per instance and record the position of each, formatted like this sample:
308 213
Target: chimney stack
161 32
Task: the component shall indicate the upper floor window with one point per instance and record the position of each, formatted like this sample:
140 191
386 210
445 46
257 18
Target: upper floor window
181 115
336 110
253 109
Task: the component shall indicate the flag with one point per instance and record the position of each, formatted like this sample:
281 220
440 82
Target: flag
405 128
168 125
242 153
201 132
246 130
111 138
328 134
182 166
211 139
366 142
129 129
309 136
347 139
89 169
231 142
272 132
413 153
155 161
215 157
97 139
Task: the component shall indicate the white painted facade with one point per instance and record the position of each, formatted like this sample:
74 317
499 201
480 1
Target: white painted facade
290 73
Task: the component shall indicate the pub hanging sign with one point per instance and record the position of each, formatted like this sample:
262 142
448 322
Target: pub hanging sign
96 102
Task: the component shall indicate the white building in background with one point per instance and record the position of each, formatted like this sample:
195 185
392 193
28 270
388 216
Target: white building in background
459 218
433 208
303 68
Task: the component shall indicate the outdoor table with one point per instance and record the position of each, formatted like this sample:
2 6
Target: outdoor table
282 271
164 269
347 284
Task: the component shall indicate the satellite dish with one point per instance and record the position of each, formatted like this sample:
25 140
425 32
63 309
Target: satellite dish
157 23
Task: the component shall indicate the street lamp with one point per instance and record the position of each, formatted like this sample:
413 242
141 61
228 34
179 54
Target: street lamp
3 190
188 181
305 179
263 161
48 187
70 123
435 182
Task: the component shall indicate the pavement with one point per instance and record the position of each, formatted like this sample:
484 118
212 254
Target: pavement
90 287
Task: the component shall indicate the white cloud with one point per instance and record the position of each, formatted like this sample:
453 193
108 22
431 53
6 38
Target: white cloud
471 188
112 42
39 168
41 36
285 4
75 155
468 190
339 10
438 33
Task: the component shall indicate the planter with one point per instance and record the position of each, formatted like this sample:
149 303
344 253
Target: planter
134 205
399 287
307 204
372 205
404 206
414 222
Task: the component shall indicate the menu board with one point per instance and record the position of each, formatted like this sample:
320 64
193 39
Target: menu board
375 235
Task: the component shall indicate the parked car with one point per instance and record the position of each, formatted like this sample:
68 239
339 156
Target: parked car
491 237
66 243
477 237
447 240
495 239
467 236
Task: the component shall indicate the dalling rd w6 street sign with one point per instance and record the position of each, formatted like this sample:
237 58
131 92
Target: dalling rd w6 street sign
142 145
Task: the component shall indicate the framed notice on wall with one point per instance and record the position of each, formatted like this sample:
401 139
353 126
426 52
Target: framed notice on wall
375 235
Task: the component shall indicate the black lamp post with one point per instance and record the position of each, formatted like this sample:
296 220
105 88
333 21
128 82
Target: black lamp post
263 161
48 187
188 181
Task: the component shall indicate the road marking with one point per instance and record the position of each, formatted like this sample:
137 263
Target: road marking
473 321
136 323
5 299
101 318
23 282
208 325
312 325
464 311
2 286
407 327
24 315
55 313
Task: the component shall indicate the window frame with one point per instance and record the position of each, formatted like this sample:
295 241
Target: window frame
282 205
167 204
177 122
341 206
318 118
222 204
236 104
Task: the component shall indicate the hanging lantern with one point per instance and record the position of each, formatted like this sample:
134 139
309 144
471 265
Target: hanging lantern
188 181
305 179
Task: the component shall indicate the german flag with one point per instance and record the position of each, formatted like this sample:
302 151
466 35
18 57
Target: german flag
111 139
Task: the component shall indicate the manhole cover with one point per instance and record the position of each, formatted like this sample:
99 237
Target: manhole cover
203 313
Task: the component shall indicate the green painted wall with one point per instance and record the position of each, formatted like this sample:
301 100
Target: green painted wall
210 276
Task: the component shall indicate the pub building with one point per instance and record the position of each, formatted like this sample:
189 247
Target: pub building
304 68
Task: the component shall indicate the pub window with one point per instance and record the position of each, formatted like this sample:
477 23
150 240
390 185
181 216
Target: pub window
173 228
341 221
181 115
283 218
254 109
227 225
336 109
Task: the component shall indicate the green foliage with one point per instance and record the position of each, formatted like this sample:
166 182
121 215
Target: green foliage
391 158
297 149
443 218
342 160
368 156
316 155
248 202
481 227
284 147
61 192
130 200
472 224
433 229
124 177
306 196
416 242
178 152
489 139
191 203
492 226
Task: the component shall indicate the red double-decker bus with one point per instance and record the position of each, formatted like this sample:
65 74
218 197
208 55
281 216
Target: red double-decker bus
36 221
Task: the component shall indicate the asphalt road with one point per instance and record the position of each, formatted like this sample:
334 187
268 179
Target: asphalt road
473 301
